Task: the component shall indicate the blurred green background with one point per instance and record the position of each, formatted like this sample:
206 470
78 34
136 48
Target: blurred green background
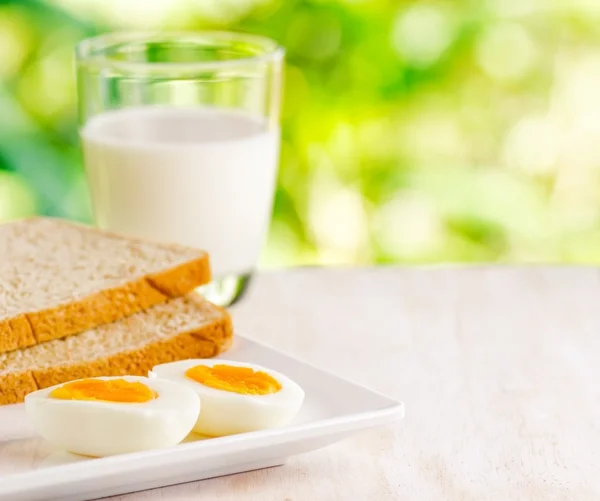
413 132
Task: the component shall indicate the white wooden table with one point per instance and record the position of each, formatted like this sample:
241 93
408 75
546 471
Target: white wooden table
499 369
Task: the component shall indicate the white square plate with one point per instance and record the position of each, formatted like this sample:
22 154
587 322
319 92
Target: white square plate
31 469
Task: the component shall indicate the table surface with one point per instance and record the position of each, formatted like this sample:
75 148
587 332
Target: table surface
499 369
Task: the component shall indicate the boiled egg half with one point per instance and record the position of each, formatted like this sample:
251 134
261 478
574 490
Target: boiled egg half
113 415
236 397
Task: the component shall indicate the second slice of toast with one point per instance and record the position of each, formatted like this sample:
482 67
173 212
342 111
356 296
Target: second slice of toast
181 328
59 278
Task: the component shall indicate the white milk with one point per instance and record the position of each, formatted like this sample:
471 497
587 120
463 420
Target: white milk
198 177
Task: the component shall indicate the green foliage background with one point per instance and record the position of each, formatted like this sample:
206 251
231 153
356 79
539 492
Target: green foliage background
412 131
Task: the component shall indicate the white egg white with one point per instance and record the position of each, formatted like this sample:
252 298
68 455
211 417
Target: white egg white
226 412
100 428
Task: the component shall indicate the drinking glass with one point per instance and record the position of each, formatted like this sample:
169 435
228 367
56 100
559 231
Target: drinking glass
180 136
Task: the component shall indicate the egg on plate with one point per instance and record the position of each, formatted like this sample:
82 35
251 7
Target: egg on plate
236 397
113 415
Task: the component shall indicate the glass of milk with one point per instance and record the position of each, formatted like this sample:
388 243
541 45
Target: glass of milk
180 136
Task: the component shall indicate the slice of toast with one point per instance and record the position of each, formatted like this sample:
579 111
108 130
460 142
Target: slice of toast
181 328
58 278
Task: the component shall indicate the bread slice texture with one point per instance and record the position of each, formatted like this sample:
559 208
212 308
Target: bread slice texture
182 328
59 278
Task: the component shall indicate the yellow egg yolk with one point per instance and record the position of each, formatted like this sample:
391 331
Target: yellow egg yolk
110 390
244 380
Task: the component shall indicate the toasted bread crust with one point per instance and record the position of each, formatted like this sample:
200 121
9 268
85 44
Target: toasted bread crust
16 332
103 307
208 341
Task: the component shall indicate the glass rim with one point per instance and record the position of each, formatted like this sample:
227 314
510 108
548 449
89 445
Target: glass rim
92 50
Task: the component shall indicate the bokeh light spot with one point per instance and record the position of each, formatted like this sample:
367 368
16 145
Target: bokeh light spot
506 51
533 145
422 33
408 226
338 217
47 88
131 13
15 42
16 197
515 8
